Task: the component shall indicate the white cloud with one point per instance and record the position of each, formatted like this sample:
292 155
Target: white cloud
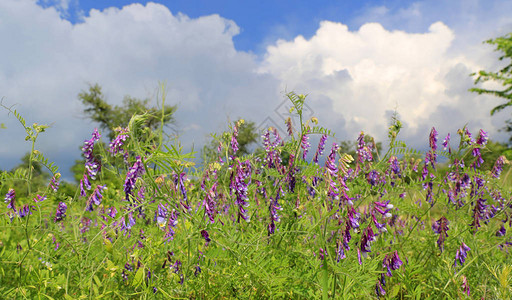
48 61
366 74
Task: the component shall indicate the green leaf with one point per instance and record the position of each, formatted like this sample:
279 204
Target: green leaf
139 276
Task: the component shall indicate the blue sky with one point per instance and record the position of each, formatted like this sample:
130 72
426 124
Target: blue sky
358 61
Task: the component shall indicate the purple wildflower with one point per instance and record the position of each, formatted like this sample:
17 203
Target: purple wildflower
240 180
135 171
161 215
498 166
364 152
379 290
394 166
446 143
304 144
433 139
234 142
39 198
483 137
61 211
465 286
479 213
84 184
441 227
9 198
95 197
54 183
502 231
112 212
209 203
24 211
117 144
367 238
206 236
461 254
179 181
321 146
92 165
274 217
289 126
171 223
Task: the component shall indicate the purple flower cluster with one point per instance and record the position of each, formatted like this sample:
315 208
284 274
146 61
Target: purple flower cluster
366 240
304 144
9 199
95 197
364 152
131 177
390 263
172 221
272 158
274 217
461 254
240 180
498 166
441 227
234 142
479 213
54 183
116 145
320 149
210 205
61 211
179 181
92 165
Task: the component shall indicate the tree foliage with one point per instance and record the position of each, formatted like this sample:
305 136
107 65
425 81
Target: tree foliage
110 117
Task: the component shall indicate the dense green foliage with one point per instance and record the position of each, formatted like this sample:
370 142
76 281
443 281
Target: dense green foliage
256 226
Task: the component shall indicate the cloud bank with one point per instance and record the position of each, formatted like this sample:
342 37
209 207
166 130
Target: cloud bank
355 79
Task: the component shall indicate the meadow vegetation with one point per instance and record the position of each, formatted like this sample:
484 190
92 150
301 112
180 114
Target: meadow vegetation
291 220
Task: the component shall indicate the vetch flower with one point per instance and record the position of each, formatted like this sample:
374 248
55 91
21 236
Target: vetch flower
461 254
131 177
61 211
39 198
498 166
206 236
479 213
367 238
54 183
9 199
95 197
117 144
433 139
446 143
304 144
240 180
320 149
483 137
441 227
379 290
172 221
465 286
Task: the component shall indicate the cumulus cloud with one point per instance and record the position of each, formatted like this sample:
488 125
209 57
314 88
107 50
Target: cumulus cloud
367 74
48 61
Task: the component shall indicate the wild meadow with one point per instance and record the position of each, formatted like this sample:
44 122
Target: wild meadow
295 220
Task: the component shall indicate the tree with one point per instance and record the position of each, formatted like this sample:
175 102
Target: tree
502 76
99 110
